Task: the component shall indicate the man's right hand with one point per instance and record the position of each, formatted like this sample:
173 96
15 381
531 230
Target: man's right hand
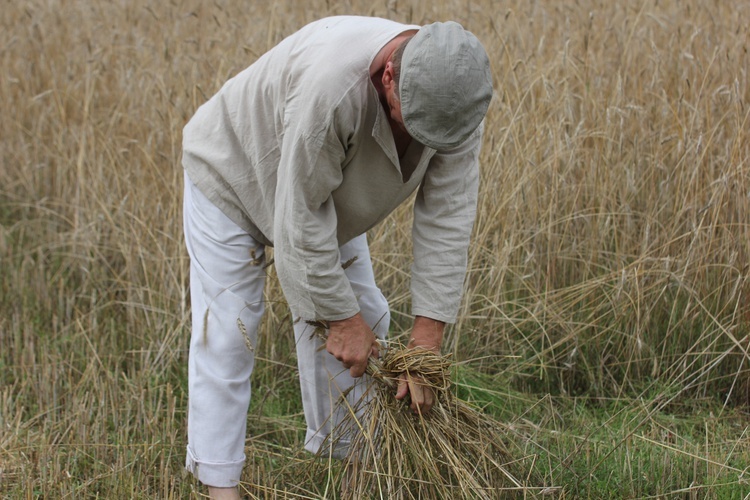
352 342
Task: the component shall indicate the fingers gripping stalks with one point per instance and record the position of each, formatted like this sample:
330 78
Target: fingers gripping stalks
398 365
373 368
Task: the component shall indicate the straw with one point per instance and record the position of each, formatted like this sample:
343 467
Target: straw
453 451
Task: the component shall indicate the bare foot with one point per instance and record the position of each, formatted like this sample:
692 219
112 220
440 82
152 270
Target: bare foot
216 493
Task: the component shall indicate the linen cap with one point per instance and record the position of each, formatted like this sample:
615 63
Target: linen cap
445 85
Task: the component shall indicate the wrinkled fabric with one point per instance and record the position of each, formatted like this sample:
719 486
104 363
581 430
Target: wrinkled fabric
297 151
227 277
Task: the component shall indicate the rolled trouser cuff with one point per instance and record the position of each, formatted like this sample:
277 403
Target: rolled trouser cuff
218 474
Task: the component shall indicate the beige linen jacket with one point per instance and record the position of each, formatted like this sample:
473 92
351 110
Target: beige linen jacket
297 150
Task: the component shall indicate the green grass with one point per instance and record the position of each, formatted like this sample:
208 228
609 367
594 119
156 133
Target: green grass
605 315
624 447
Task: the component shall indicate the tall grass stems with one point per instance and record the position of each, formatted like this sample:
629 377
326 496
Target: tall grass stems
605 318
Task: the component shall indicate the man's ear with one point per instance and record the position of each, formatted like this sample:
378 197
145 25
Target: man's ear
388 75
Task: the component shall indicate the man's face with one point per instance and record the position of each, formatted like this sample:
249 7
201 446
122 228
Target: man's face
395 106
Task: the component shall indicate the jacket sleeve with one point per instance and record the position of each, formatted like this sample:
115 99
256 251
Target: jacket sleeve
444 213
306 249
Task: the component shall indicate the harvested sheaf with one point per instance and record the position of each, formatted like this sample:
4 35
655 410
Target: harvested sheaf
453 451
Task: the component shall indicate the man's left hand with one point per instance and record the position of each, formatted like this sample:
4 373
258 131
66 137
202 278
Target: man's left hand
428 334
422 396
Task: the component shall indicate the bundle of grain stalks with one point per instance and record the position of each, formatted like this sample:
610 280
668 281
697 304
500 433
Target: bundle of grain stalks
453 451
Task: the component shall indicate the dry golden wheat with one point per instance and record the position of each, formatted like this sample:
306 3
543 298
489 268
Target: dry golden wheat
453 451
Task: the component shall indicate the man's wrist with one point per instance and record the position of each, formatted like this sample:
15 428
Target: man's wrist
344 321
427 333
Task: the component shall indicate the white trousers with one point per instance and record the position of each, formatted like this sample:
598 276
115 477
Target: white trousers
227 277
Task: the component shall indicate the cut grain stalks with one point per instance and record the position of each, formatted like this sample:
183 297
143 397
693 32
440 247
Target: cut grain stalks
452 451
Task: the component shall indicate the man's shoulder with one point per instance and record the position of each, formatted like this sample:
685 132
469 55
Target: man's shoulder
343 42
360 24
